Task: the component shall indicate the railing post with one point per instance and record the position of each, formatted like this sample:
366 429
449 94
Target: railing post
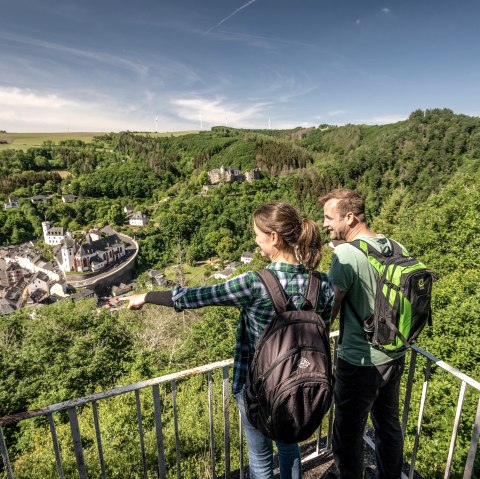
99 439
157 410
473 446
453 440
6 459
226 420
210 420
77 443
140 432
175 425
420 419
58 457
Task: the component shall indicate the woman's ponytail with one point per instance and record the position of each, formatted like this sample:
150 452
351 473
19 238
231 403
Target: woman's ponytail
309 244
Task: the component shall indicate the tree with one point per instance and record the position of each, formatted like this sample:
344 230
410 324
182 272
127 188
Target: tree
115 215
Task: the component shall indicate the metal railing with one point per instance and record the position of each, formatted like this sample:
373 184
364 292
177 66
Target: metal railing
172 380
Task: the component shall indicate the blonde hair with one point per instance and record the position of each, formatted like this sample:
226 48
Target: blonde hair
300 236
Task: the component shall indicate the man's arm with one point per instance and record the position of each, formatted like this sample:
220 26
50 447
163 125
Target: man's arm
339 295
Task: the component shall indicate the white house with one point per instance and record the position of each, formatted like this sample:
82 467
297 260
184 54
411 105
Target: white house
39 281
53 235
138 219
247 257
11 203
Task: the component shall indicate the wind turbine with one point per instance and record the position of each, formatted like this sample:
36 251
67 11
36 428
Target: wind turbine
156 124
269 123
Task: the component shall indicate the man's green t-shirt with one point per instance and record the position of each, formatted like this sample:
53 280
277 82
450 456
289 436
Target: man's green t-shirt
352 273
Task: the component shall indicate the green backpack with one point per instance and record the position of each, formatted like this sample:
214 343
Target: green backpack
402 302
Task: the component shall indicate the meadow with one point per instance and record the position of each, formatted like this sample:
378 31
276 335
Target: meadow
23 141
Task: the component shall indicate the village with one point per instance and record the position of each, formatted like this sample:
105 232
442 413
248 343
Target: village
81 266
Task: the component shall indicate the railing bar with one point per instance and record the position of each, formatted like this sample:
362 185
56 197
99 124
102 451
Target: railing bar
157 410
473 445
56 448
226 420
140 433
462 376
408 392
420 419
6 459
458 413
77 443
175 424
210 420
62 406
240 435
99 439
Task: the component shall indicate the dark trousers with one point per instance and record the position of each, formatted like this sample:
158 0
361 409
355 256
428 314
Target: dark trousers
360 390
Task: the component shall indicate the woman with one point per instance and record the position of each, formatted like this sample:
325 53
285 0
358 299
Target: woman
293 246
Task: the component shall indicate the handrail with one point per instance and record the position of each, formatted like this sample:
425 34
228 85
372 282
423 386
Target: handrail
171 379
63 406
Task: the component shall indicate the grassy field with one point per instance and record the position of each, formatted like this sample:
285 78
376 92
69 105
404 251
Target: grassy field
23 141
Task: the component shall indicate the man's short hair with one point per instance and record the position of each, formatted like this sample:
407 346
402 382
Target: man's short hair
347 201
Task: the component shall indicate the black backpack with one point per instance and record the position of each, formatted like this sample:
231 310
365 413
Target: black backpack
402 301
289 385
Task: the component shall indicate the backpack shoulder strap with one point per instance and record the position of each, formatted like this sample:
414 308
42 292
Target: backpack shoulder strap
274 289
313 289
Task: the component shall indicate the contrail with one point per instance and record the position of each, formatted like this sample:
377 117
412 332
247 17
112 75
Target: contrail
231 15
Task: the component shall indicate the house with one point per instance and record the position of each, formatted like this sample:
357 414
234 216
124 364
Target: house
45 266
247 257
128 210
35 200
122 288
11 203
36 297
53 235
138 219
228 271
14 273
158 277
69 198
39 281
7 306
61 289
83 294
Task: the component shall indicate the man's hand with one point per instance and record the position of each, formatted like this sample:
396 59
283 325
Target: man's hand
135 302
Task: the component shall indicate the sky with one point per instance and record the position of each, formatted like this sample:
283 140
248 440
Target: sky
170 65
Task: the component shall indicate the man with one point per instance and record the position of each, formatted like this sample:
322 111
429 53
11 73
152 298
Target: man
367 379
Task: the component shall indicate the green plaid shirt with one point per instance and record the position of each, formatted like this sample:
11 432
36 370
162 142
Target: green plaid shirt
249 294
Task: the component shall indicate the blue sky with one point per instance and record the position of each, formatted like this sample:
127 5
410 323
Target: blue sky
111 65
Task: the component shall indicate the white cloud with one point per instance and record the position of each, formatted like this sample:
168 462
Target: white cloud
215 112
336 113
24 110
386 11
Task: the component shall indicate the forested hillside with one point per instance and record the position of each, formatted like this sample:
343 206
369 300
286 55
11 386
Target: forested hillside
421 181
